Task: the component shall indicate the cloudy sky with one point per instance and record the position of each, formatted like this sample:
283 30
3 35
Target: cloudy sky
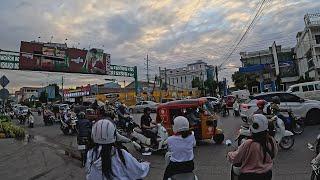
172 32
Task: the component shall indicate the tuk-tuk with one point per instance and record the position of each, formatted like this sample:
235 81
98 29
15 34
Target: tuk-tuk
206 126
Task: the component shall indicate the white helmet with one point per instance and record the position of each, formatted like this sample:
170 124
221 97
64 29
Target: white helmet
104 132
259 123
180 123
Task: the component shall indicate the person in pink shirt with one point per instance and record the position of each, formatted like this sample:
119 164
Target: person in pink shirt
255 156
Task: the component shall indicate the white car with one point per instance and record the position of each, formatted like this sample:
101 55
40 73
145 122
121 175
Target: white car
304 108
143 104
21 110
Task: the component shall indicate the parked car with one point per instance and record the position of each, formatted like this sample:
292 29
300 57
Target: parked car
308 90
304 108
164 100
143 104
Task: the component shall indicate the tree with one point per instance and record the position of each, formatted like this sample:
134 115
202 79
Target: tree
211 86
43 97
244 81
56 91
197 83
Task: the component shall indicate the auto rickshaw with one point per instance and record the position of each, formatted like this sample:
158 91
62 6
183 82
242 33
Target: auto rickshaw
206 128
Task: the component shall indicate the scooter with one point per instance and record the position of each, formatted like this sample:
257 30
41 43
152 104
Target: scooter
69 129
315 164
284 138
143 143
294 124
49 120
83 148
224 110
22 118
236 107
235 168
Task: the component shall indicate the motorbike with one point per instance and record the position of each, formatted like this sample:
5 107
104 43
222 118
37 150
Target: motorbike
143 144
284 138
22 118
236 109
30 121
49 120
70 127
224 110
293 124
315 164
83 148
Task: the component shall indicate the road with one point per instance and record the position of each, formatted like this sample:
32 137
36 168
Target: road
44 156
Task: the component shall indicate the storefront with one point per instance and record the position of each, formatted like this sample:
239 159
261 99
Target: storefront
76 95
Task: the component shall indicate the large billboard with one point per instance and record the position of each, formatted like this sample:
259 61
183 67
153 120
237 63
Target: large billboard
59 58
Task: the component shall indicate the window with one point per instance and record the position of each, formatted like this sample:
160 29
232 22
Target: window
317 37
181 79
286 97
144 102
304 88
295 89
311 87
177 80
317 86
172 81
185 78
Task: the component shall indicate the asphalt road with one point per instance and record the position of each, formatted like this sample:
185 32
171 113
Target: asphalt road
44 157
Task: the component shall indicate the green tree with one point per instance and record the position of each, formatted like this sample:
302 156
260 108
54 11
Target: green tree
43 97
197 83
244 81
211 86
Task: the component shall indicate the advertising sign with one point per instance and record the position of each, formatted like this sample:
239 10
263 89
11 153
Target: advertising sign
59 58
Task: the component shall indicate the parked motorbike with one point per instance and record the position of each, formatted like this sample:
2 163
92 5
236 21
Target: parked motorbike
30 121
70 127
236 109
143 143
315 164
284 138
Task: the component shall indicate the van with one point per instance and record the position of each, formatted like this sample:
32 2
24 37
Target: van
308 90
242 94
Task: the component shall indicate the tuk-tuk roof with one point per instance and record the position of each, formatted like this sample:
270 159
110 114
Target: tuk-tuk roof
183 103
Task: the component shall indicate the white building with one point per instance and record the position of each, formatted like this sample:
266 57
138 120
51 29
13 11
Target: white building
181 78
308 47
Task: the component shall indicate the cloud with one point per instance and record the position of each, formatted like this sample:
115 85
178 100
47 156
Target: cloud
172 32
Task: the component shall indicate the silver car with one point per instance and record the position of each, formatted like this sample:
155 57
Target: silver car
138 108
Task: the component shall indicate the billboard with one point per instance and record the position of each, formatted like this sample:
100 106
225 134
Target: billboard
59 58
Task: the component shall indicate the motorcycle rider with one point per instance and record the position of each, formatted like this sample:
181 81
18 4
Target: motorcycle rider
223 104
29 117
180 149
83 125
255 156
122 111
260 104
148 127
106 161
109 110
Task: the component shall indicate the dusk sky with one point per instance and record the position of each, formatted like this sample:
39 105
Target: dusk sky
172 32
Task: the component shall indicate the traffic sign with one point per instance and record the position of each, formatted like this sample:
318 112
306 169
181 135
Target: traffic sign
4 81
4 93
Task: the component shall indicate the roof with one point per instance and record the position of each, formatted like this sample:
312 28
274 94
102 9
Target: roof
183 103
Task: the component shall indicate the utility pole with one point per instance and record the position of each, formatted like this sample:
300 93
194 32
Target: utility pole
62 89
217 80
148 69
160 84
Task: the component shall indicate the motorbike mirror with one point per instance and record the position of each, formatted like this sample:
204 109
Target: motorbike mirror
311 147
228 142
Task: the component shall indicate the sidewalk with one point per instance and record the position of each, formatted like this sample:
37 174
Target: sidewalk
34 160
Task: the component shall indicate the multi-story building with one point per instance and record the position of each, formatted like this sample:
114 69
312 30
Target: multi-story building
181 78
268 65
26 93
308 47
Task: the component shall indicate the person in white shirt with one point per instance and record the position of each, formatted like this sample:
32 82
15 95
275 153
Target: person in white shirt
180 148
105 161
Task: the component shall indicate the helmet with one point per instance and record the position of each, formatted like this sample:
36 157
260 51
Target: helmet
106 102
275 99
180 124
82 115
259 123
146 109
261 103
104 132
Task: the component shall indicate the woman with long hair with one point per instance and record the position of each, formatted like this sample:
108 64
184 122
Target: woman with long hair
255 156
106 161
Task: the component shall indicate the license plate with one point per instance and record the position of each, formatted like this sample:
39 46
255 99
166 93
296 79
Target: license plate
81 147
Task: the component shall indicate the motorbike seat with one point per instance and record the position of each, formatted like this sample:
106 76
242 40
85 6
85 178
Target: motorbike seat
184 176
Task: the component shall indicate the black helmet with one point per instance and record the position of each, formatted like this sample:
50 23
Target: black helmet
275 99
82 115
146 109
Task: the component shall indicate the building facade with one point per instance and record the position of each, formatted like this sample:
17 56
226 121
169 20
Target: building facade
308 47
26 93
181 78
269 65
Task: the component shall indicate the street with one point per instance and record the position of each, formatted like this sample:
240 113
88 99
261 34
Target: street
48 154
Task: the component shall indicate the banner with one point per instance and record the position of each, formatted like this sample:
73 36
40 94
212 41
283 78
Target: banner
59 58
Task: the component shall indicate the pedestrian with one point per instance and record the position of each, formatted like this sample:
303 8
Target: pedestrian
255 156
105 161
180 149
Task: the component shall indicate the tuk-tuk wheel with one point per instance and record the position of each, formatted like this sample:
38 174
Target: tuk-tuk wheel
218 138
